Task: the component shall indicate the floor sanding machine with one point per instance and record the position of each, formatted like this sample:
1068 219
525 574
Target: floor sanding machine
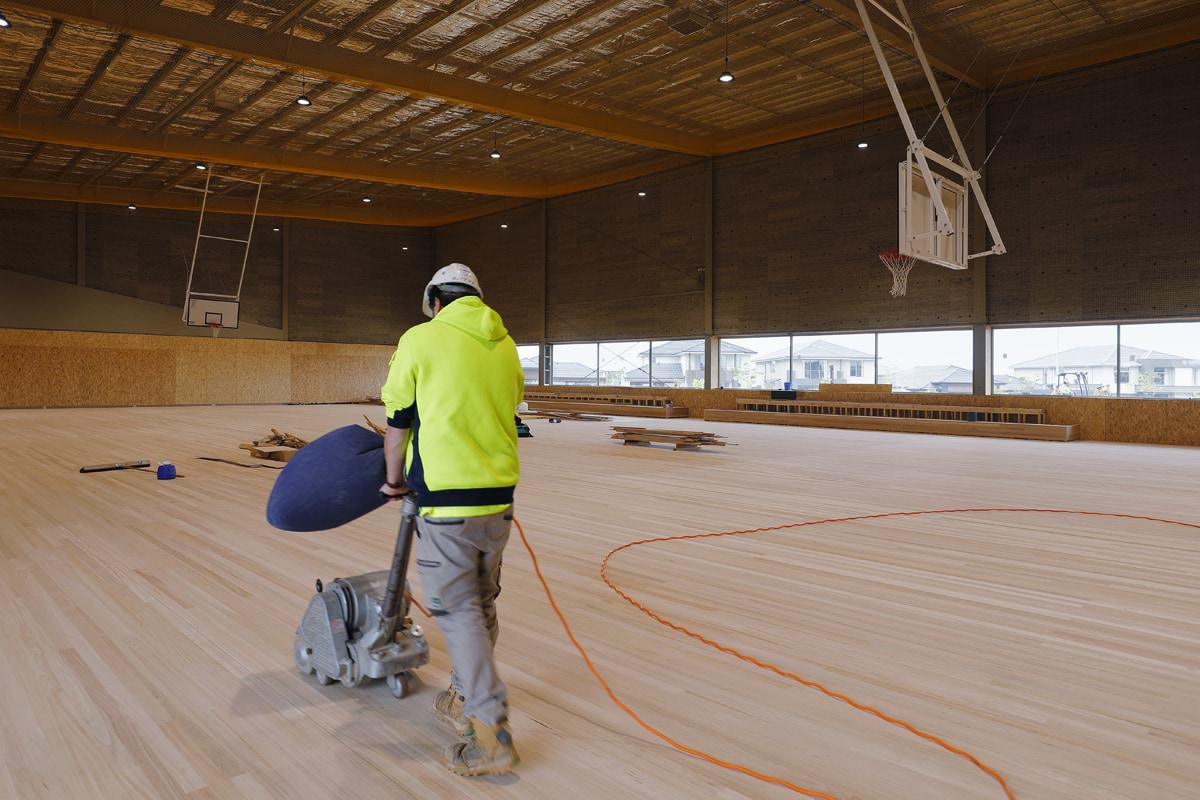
359 628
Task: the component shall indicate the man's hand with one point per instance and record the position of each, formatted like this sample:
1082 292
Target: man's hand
393 493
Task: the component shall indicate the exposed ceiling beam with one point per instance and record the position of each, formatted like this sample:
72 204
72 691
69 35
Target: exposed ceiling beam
344 108
112 55
149 20
420 28
151 86
941 56
36 67
376 214
548 33
105 137
204 90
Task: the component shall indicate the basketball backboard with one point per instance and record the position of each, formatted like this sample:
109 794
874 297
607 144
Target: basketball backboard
922 229
204 312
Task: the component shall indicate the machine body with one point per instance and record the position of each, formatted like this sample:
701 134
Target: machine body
359 629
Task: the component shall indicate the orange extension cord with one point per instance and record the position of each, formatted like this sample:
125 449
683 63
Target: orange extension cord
770 667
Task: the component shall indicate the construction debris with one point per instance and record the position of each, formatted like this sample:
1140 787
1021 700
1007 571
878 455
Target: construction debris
276 447
683 440
237 463
374 427
115 465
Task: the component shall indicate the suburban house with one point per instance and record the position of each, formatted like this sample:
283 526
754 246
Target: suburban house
680 363
1095 370
815 363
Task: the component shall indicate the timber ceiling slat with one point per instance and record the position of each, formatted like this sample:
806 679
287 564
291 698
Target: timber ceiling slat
36 66
97 74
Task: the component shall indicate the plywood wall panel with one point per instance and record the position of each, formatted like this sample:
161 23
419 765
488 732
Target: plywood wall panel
57 368
508 262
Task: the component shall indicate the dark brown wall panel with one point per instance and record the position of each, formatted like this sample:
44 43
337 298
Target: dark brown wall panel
1095 187
355 283
622 266
798 232
146 254
38 238
508 262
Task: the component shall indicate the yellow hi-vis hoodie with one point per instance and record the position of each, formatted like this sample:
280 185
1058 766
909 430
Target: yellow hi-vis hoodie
457 381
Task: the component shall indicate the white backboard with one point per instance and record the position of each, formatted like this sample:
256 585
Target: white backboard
202 312
919 223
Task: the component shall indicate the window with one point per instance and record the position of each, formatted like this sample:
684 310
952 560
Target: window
622 363
1079 360
834 356
678 364
754 363
1163 360
927 361
528 353
574 365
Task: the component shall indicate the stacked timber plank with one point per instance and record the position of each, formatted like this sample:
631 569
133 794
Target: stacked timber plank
683 440
1005 423
621 405
574 416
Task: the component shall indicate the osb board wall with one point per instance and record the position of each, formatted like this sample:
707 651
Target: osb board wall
146 254
1173 422
64 368
508 262
355 283
622 266
799 229
1095 187
38 238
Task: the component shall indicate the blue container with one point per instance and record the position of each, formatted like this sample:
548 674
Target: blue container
166 472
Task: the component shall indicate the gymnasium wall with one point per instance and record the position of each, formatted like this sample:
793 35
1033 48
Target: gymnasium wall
621 266
70 368
1096 184
342 282
509 262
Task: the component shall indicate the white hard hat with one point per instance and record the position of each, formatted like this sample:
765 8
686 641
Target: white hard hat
451 273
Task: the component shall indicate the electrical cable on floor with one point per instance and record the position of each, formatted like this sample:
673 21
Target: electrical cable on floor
772 668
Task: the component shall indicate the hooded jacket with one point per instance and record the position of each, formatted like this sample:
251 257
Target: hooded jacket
456 382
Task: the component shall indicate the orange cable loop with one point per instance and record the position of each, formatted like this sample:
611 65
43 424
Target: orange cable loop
771 667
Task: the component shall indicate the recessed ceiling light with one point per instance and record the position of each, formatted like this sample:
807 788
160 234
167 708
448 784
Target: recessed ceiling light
403 248
863 145
641 194
503 224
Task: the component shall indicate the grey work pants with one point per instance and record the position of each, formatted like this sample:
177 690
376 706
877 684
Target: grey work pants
459 563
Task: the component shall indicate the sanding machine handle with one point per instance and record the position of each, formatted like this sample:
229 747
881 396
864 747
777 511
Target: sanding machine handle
396 578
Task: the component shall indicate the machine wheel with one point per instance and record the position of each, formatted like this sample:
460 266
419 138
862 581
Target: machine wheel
323 679
401 684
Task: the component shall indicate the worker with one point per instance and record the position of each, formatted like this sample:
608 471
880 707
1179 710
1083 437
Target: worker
452 385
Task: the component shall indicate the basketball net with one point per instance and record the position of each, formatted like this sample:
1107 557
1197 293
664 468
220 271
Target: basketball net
899 265
216 328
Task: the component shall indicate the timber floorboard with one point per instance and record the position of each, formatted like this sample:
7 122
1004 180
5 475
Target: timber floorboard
146 626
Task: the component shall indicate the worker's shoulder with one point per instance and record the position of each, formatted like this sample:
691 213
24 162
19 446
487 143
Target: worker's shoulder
420 331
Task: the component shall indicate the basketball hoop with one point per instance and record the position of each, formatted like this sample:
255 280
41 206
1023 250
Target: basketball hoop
899 265
216 328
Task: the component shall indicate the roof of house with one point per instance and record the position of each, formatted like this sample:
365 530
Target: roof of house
922 377
572 370
820 349
1101 355
680 346
662 373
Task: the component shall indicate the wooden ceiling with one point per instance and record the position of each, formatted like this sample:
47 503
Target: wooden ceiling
116 100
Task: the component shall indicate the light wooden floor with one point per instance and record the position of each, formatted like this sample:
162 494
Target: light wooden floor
146 626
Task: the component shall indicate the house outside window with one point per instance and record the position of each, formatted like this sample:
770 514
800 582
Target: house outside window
813 369
856 369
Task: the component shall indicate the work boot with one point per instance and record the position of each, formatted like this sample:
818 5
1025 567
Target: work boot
448 706
489 751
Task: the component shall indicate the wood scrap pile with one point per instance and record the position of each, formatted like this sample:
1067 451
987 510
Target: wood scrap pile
276 447
577 416
683 440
